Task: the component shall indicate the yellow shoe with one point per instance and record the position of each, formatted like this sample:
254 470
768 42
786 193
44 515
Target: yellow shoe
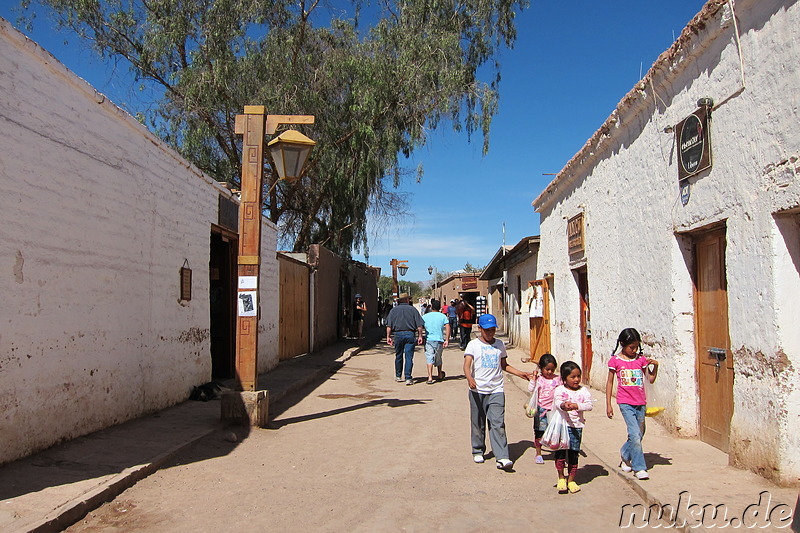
561 486
573 487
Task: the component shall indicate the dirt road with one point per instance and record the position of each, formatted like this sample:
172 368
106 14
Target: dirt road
360 452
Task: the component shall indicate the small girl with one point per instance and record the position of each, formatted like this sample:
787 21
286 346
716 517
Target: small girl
631 367
547 381
573 400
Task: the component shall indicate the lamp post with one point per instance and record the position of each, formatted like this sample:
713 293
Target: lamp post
432 270
289 152
402 266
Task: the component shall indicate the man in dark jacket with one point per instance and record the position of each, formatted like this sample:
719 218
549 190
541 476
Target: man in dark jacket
403 324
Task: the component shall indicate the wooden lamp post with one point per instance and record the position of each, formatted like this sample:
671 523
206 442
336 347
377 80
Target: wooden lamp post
290 152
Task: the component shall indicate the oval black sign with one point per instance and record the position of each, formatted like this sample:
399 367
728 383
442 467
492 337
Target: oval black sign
691 144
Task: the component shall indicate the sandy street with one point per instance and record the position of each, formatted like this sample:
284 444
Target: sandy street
360 452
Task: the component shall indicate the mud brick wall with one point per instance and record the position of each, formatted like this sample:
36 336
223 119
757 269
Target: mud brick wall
97 217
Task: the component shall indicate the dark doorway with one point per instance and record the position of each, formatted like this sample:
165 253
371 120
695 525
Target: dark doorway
222 293
582 278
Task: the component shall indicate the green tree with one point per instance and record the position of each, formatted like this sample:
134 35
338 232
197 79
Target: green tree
469 269
375 91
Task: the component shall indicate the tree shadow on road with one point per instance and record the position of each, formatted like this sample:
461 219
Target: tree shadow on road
388 402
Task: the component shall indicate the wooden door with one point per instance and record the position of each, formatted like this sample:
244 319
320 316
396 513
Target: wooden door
293 322
714 358
586 325
540 325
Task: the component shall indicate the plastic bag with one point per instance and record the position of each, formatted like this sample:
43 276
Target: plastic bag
556 436
654 406
533 401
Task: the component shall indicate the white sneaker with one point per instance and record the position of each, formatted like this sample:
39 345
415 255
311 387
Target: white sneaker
642 474
505 464
625 466
478 458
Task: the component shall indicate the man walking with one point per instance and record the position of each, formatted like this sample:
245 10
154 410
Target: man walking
403 324
437 329
452 316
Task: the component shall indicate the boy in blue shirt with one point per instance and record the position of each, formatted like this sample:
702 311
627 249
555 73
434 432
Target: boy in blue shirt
437 327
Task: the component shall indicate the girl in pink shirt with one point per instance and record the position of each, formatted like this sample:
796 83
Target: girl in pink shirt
631 367
547 381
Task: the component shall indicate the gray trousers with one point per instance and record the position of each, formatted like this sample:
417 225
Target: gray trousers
491 408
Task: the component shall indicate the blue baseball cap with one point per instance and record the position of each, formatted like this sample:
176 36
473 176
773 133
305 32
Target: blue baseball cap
487 321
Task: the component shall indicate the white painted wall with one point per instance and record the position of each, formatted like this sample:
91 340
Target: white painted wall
518 318
97 217
639 265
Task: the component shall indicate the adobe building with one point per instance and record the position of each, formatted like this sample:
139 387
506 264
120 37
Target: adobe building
461 285
120 255
512 277
681 217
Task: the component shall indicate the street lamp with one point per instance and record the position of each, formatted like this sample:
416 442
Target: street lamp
290 152
432 270
402 266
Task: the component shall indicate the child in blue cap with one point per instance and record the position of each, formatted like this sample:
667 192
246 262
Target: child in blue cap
484 359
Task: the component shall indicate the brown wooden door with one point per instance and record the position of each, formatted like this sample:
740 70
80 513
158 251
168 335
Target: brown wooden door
293 322
714 358
540 326
586 325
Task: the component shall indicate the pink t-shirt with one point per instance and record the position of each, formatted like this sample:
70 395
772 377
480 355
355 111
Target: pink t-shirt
630 379
546 389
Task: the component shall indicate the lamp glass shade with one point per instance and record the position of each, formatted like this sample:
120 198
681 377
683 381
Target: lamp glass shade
402 270
430 270
290 151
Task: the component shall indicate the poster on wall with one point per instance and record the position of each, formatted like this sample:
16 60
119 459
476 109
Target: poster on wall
248 282
247 303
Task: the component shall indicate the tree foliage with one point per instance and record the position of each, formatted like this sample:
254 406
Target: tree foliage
376 92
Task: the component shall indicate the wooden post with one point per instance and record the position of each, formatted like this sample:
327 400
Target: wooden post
251 126
395 289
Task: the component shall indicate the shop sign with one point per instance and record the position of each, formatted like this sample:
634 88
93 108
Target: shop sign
575 234
469 282
694 144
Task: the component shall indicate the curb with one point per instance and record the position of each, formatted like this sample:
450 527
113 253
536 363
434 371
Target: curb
687 524
71 512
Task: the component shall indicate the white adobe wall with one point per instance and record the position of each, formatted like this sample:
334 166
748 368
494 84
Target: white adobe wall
519 324
638 264
269 294
97 218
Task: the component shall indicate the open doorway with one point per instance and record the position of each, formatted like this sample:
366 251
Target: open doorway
582 279
222 298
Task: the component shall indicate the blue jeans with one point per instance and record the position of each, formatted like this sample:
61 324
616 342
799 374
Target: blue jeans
631 451
404 342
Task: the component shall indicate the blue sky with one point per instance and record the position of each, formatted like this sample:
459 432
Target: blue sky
572 63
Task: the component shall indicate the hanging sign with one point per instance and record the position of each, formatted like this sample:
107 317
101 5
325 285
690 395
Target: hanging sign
575 234
469 283
694 144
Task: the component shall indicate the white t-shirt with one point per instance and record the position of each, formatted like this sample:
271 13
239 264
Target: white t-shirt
486 368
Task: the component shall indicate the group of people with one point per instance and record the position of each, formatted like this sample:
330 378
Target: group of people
559 389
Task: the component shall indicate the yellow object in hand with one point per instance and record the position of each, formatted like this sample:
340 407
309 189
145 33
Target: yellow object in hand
653 411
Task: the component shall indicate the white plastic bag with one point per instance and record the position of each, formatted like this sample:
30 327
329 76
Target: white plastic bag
556 436
533 401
